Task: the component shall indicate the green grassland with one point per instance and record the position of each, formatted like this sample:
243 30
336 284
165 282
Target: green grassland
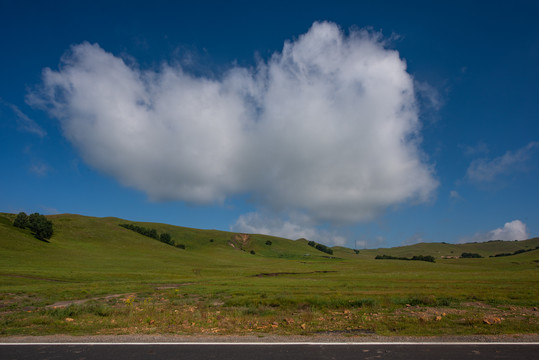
96 277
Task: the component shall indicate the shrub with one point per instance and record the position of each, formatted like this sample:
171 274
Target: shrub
415 257
164 237
268 242
424 258
320 247
324 248
470 255
37 223
515 252
21 221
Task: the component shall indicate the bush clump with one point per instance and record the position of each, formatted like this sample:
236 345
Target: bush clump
470 255
415 258
164 237
37 223
320 247
515 252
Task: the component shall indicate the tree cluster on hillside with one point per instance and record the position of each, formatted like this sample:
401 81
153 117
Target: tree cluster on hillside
149 232
515 252
415 257
470 255
37 223
320 247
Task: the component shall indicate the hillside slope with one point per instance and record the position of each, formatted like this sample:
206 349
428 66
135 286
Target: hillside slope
439 250
98 250
111 279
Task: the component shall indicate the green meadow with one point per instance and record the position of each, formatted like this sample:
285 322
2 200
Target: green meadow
96 277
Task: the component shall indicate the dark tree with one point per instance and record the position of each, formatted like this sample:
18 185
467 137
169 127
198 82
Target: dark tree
41 227
324 248
21 221
166 238
470 255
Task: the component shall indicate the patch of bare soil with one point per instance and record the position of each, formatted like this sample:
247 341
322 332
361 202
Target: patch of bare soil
489 314
62 304
172 286
239 241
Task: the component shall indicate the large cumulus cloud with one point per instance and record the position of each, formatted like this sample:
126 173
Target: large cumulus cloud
327 127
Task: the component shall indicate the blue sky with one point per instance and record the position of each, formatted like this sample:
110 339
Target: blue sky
363 124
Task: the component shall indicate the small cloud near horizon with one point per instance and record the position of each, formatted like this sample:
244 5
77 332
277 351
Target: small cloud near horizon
513 230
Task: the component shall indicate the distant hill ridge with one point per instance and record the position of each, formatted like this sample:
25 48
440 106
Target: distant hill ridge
69 228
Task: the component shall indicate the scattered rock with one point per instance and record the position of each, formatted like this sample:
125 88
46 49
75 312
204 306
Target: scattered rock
492 320
288 321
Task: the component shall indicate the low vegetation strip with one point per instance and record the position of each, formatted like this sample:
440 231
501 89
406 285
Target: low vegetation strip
320 247
516 252
415 258
163 237
293 273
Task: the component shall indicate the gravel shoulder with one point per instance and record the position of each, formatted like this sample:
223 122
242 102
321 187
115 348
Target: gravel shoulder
265 339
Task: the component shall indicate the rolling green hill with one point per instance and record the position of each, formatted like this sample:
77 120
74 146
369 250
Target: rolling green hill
249 280
438 250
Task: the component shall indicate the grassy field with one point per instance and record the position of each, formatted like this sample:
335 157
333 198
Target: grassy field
96 277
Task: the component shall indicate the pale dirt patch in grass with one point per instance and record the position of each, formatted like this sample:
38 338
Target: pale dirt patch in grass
62 304
488 314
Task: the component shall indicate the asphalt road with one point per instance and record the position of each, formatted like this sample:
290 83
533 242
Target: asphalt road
196 351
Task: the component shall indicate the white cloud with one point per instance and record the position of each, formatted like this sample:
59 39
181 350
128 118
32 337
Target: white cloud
327 127
485 170
414 239
514 230
296 227
24 122
429 95
453 194
479 149
39 168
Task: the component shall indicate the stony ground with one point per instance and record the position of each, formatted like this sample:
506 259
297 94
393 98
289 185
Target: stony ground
266 338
